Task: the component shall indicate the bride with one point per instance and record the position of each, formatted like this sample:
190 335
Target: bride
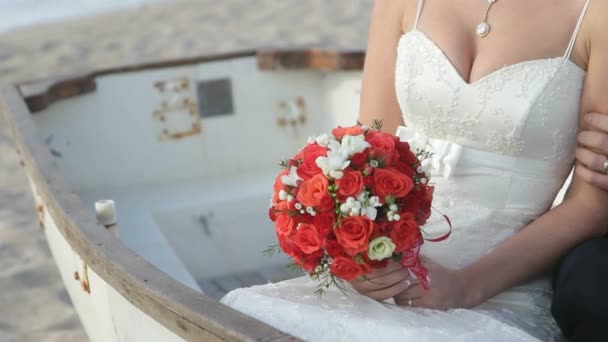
494 89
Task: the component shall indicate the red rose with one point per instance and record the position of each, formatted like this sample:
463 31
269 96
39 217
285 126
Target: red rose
405 154
358 160
425 198
366 267
311 261
405 233
380 263
381 141
284 224
375 263
404 168
324 221
390 182
272 214
309 154
339 132
290 248
345 268
307 238
312 191
334 249
278 186
353 233
390 158
368 181
350 185
327 204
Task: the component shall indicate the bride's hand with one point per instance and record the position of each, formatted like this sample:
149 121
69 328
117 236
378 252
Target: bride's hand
383 283
447 289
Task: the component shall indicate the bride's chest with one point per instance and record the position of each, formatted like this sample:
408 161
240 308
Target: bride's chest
524 109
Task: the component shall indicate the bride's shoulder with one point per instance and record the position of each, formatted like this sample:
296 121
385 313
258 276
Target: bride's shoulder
593 35
405 10
596 21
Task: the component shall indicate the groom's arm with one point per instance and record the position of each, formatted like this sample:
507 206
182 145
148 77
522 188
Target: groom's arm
583 214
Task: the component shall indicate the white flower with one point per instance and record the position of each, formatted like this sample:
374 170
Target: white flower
282 195
374 163
333 164
393 207
370 212
344 208
374 201
362 197
325 140
292 178
380 248
351 207
354 144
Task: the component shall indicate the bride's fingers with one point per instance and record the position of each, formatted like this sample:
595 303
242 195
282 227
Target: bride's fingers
381 272
388 292
383 282
413 291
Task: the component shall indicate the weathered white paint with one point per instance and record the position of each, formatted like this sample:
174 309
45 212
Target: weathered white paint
105 314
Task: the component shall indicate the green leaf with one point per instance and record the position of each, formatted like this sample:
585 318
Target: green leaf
272 250
377 125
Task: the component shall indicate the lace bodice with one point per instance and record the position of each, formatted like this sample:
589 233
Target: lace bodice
527 109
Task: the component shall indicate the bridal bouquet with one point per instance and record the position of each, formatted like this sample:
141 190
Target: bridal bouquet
349 202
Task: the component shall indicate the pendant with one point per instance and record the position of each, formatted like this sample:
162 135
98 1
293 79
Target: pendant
483 29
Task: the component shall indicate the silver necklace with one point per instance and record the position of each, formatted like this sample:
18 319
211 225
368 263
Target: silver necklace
484 28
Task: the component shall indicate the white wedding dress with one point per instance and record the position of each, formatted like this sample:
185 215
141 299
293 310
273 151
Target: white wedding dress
503 146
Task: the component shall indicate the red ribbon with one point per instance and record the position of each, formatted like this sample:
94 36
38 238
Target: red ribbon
446 235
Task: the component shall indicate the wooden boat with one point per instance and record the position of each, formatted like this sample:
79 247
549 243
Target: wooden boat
187 150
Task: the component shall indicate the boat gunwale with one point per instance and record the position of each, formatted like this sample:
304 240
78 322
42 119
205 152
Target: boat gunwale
184 311
40 94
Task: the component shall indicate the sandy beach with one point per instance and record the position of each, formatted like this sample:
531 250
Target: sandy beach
33 304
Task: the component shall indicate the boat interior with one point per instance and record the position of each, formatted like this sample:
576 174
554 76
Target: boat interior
189 154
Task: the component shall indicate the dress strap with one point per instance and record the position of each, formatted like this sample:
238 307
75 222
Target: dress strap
420 3
576 29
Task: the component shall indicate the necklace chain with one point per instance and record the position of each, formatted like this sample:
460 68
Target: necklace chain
484 28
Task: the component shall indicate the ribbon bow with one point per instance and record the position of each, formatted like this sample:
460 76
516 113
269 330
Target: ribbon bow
445 154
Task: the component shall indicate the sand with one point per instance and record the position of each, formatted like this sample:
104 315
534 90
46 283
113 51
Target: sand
33 304
179 29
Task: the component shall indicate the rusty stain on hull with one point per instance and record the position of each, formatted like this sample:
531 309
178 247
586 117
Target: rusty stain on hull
178 108
84 279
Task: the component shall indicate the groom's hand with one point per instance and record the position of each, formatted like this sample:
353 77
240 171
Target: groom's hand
384 283
593 151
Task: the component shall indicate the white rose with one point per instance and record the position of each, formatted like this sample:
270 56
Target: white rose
380 248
